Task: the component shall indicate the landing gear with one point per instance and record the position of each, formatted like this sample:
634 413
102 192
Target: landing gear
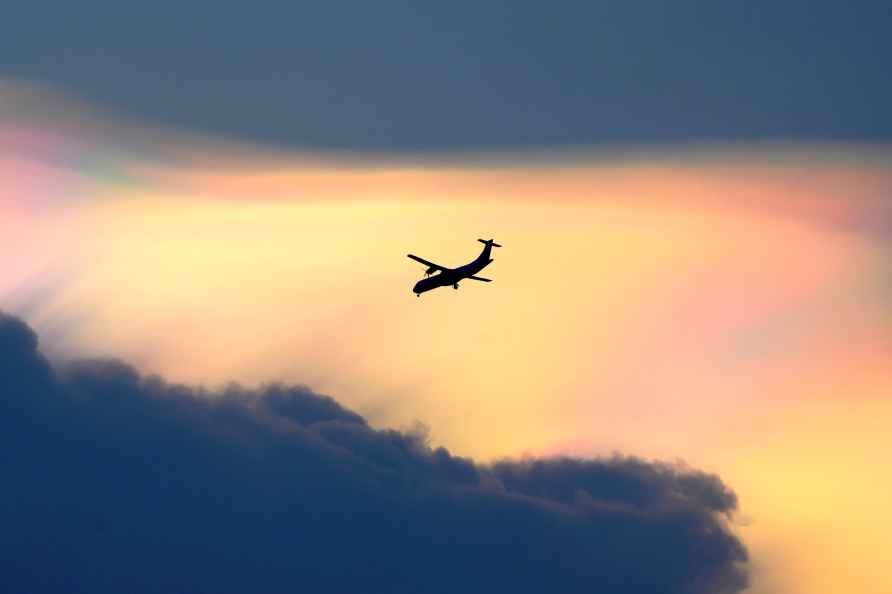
455 286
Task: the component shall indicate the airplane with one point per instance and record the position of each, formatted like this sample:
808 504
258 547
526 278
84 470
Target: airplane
452 276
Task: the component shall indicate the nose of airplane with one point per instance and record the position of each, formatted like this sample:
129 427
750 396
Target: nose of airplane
417 288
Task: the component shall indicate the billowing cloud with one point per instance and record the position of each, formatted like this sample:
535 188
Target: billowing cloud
117 482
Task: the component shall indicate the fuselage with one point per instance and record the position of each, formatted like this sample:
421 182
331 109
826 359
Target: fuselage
451 276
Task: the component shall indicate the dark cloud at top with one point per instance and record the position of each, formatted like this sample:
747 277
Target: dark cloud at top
395 75
113 482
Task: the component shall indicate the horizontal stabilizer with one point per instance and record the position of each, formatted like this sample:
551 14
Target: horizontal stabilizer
489 242
480 278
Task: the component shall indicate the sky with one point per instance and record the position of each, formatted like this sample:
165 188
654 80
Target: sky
403 76
686 346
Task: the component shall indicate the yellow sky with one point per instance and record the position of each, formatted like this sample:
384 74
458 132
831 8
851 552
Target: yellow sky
733 313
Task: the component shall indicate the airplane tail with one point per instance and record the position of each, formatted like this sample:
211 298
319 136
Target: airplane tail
488 245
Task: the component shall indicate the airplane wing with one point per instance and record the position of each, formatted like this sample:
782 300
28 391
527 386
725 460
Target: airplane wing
431 266
480 278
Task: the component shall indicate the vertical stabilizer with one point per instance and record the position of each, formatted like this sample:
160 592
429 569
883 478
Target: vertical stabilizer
488 245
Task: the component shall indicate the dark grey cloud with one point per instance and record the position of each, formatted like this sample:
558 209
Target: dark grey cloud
115 482
396 75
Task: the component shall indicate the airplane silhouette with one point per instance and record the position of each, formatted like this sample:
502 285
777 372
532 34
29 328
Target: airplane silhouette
452 276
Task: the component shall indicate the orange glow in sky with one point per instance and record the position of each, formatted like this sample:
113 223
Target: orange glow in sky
732 310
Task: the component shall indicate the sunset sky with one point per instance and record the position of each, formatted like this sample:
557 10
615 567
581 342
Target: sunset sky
721 298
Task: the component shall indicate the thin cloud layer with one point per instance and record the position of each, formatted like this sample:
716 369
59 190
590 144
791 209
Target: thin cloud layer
463 75
117 482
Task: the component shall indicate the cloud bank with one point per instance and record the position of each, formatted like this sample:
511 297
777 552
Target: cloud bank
114 482
469 75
